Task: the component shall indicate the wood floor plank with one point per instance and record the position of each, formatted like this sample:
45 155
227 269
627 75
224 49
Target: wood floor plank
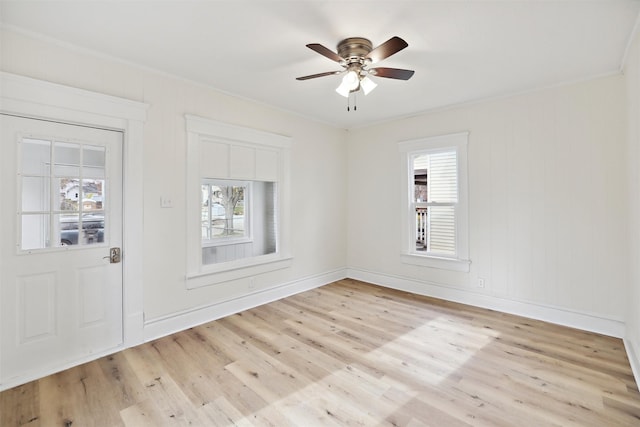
144 414
346 354
20 406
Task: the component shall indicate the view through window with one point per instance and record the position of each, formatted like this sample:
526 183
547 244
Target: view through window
238 219
435 198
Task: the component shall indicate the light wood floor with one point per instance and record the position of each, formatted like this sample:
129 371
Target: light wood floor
346 354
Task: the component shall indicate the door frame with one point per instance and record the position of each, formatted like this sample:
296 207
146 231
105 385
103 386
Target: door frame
32 98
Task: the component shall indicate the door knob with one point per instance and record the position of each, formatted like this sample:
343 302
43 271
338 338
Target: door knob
114 255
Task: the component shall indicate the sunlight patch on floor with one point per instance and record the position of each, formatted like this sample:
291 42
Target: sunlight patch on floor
434 351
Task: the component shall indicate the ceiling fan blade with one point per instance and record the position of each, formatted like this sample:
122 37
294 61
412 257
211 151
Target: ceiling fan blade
391 73
325 51
393 45
313 76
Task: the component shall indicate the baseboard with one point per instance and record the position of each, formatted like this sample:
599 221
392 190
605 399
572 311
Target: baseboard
176 322
632 355
163 326
575 319
42 372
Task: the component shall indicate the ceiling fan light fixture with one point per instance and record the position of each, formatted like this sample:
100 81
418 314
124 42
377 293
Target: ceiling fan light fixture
367 85
350 83
343 91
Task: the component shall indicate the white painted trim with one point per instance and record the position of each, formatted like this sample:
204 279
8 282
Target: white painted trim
240 269
43 99
234 133
180 321
201 130
454 264
458 141
52 369
632 355
29 97
586 321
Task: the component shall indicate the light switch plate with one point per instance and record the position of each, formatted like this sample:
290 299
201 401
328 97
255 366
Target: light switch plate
166 202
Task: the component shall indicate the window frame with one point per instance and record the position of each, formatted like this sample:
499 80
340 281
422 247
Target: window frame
53 212
268 161
408 253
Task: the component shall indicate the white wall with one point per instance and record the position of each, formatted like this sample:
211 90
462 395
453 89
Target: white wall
317 176
632 318
547 174
547 212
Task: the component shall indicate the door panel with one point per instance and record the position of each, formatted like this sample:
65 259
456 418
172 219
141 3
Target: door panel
60 297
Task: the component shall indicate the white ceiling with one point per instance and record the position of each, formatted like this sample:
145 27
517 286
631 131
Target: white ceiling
461 50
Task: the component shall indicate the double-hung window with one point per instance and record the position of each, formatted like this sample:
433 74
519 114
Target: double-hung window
435 230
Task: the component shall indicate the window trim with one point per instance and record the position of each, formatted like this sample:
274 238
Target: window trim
408 150
200 131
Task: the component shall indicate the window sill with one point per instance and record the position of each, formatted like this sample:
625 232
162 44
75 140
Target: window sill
234 270
452 264
226 242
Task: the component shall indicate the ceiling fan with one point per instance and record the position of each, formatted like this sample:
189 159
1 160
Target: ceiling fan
355 55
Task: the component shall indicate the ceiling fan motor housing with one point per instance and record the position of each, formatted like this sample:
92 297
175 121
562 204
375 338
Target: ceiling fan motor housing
354 49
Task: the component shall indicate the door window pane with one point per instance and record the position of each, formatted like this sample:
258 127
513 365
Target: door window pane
35 194
35 231
92 231
68 226
92 195
93 161
66 159
70 193
63 205
80 230
36 157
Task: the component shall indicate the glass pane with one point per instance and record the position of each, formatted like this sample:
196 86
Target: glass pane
67 229
93 161
264 230
93 156
66 159
91 172
92 229
436 177
263 222
204 211
441 226
36 157
92 195
442 180
420 165
76 230
421 229
35 194
227 211
35 231
69 190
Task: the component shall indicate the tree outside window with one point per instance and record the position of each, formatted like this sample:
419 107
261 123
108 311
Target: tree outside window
223 209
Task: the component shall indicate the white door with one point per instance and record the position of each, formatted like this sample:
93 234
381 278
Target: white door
61 215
